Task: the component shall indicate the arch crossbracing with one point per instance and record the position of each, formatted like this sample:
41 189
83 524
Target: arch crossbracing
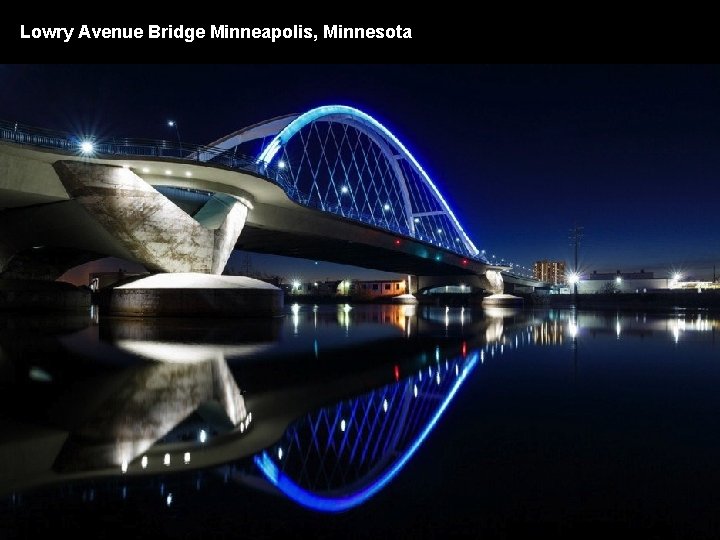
341 160
338 457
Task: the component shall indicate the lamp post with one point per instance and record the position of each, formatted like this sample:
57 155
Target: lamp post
575 236
174 124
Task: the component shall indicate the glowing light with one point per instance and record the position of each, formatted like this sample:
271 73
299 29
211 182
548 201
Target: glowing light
677 276
437 377
342 425
385 405
346 308
124 466
146 169
573 278
166 460
295 308
168 499
415 390
281 164
188 173
396 371
573 329
282 138
126 167
386 207
203 436
295 285
397 242
280 453
618 280
346 501
87 147
171 123
186 457
344 189
416 220
144 462
168 172
39 374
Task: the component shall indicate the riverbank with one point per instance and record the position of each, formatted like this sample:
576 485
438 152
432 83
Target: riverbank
669 300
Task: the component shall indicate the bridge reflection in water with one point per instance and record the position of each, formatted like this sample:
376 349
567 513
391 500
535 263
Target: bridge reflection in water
338 457
326 406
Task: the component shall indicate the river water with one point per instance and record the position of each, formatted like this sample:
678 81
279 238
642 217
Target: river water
362 421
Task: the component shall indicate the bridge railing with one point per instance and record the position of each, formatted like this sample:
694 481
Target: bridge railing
140 148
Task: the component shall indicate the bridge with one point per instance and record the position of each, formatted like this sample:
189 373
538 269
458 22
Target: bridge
330 184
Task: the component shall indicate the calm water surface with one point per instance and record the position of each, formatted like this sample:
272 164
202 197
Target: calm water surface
362 421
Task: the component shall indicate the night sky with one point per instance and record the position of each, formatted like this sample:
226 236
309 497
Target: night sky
521 153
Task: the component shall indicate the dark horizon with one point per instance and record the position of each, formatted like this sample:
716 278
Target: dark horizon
521 153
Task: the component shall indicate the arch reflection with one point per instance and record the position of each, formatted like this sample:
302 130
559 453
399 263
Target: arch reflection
338 457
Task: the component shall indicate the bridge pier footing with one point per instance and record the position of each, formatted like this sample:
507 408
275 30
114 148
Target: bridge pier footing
196 295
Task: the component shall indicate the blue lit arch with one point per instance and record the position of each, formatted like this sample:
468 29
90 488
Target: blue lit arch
376 158
360 492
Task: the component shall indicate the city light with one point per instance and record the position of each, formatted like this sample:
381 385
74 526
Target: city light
344 189
386 207
618 280
573 278
281 164
87 148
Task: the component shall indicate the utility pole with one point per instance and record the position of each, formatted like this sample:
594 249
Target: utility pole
575 236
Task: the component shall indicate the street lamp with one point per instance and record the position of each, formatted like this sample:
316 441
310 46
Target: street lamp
573 279
174 124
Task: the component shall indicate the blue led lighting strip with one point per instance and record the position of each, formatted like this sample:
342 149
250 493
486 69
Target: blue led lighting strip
338 504
282 139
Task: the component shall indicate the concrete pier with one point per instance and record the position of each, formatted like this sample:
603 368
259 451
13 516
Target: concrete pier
196 295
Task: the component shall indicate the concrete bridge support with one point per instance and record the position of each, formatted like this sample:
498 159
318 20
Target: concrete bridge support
156 233
491 282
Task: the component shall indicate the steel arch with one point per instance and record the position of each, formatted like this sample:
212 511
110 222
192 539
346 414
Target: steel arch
392 149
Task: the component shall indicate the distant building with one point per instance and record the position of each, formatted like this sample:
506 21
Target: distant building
552 272
378 288
346 287
621 282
